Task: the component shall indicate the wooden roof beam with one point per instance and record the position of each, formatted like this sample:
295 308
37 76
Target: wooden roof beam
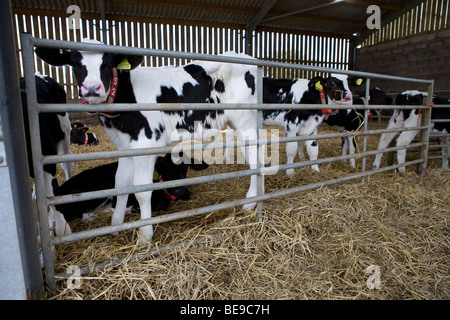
250 27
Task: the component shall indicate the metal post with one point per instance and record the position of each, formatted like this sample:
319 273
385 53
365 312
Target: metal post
19 239
33 117
260 148
425 134
366 119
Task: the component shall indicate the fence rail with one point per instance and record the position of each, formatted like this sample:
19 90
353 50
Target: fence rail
48 241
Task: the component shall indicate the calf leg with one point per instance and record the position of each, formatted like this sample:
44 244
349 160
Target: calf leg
251 159
124 176
406 137
291 150
312 148
143 174
63 146
344 146
396 121
351 150
301 155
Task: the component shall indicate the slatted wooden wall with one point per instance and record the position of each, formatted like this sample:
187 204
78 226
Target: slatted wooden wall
319 51
273 46
430 16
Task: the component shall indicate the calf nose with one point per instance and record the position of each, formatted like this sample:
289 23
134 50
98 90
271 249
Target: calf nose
348 94
177 191
90 89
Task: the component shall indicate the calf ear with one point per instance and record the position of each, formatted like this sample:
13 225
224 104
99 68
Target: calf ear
126 62
356 81
317 83
54 57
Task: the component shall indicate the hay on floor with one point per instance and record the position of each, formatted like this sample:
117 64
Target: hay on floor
312 245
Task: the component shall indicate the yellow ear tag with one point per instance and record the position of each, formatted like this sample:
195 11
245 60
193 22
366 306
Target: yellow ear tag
155 175
359 81
369 97
31 182
124 65
318 86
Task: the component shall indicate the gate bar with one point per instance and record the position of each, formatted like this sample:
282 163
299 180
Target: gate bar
57 200
206 146
199 211
58 44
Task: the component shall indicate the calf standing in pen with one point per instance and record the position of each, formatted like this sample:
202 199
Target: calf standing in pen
333 89
352 119
411 118
100 81
54 131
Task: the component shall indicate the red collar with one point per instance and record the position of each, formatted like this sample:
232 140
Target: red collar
85 139
326 112
114 84
167 194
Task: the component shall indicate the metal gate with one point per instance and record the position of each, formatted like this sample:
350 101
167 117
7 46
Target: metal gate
48 241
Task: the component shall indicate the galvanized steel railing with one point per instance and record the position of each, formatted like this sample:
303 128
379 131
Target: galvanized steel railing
48 241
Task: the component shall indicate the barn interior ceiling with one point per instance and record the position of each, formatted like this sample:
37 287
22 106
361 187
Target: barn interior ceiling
343 18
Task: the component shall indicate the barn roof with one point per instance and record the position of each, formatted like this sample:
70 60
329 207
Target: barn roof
345 18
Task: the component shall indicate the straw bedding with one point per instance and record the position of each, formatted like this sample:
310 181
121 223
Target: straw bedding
311 245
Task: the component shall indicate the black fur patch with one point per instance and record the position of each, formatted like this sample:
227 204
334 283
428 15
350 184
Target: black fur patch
47 91
250 80
219 86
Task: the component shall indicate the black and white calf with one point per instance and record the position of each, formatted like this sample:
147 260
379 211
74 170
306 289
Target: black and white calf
352 119
333 89
80 136
411 118
442 127
55 139
103 177
99 81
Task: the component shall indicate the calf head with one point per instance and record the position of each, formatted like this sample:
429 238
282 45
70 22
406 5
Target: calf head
411 97
168 171
377 96
337 89
93 70
78 125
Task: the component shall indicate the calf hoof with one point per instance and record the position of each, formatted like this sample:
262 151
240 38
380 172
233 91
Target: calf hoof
290 173
315 168
145 235
249 206
401 170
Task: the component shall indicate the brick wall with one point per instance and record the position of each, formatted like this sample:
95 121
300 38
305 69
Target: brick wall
424 57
